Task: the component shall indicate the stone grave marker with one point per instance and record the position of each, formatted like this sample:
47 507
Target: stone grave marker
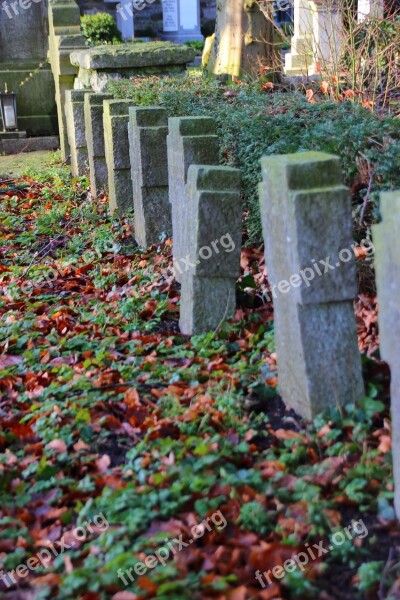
75 120
191 140
306 219
214 225
148 129
93 109
116 124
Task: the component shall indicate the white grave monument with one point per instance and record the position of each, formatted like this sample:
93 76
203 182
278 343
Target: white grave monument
181 20
317 42
369 9
124 15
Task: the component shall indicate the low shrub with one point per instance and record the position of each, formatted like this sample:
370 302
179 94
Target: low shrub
100 28
197 45
252 123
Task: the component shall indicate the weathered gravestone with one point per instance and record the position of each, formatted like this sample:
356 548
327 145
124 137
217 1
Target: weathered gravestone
191 141
387 263
75 120
214 225
93 108
148 129
101 64
116 123
306 219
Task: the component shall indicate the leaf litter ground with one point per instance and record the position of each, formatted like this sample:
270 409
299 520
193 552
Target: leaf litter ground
106 408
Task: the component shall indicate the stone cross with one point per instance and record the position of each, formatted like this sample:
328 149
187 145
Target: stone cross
148 129
191 140
116 124
307 228
93 108
75 118
387 263
214 225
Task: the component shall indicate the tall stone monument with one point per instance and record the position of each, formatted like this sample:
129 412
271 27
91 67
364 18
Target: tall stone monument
23 51
64 36
318 38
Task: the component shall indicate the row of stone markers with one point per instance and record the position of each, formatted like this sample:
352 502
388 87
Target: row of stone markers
167 171
149 164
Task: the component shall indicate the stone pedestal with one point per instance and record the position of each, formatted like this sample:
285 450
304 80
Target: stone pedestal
148 129
387 263
101 64
116 138
181 20
306 218
317 43
64 35
370 9
300 58
23 51
327 37
214 227
93 109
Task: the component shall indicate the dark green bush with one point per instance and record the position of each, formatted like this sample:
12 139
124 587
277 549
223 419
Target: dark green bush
100 28
252 123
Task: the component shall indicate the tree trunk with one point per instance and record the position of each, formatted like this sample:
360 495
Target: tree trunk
243 39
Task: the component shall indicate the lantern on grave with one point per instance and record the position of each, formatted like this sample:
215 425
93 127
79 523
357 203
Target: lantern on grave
8 109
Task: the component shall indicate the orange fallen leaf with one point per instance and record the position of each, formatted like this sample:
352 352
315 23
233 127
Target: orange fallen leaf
80 445
324 87
385 444
103 463
58 445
